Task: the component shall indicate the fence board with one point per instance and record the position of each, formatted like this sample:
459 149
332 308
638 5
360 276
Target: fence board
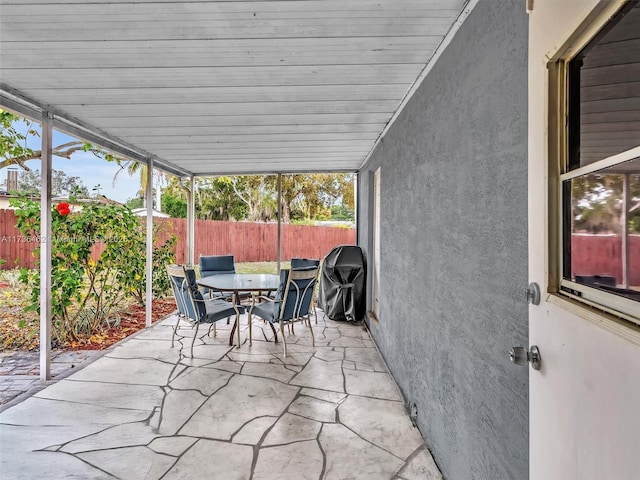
602 255
257 242
248 242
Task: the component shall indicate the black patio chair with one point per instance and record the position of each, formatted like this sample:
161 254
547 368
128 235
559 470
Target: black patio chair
291 302
197 310
300 263
219 265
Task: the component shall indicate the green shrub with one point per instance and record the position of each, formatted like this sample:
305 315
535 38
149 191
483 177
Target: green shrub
86 294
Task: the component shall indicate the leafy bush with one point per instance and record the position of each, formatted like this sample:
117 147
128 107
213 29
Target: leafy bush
86 293
132 278
342 212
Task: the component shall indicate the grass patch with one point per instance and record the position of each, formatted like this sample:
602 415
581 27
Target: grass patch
260 267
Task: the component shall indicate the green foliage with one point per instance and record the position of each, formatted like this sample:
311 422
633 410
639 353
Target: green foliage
342 212
597 203
15 133
12 139
137 202
296 216
86 294
254 197
132 278
61 184
314 194
215 199
174 206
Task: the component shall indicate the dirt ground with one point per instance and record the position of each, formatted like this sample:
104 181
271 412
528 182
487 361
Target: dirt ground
19 329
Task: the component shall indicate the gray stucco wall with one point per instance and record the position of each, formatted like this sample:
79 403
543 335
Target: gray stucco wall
454 247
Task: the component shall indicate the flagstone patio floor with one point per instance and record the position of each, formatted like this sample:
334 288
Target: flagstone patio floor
146 410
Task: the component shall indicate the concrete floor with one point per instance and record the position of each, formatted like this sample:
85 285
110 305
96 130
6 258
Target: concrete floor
20 372
146 411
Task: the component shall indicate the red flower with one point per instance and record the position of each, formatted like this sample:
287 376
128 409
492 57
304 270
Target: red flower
63 209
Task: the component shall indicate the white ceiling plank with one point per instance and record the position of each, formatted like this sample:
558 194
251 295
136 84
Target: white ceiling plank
213 56
203 76
275 148
245 120
305 139
133 131
99 6
233 109
204 30
162 96
226 86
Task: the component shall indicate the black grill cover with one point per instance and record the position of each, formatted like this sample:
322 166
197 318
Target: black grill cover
342 283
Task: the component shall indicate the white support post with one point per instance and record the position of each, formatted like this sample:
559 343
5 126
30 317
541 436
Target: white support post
149 263
624 219
356 206
279 221
45 250
191 223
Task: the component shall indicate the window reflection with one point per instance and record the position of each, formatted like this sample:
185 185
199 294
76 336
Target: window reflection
604 229
604 96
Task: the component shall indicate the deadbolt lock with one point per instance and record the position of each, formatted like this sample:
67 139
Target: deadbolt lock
522 356
533 294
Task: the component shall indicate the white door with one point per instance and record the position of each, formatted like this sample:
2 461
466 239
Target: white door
585 399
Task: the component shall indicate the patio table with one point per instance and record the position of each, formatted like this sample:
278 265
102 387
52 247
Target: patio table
256 283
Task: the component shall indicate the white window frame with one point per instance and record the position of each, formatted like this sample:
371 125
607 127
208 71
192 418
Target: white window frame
619 306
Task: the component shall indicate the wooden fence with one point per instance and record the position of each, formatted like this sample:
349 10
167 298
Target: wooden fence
602 255
257 242
248 242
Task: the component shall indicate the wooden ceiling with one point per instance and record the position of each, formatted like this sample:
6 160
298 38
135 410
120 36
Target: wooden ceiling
215 87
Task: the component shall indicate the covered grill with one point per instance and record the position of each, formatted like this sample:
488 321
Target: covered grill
343 282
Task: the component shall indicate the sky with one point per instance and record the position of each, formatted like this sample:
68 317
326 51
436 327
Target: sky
92 170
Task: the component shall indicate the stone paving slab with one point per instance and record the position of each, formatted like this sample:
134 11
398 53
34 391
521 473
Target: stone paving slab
145 410
19 371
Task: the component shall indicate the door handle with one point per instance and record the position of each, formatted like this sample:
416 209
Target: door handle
522 356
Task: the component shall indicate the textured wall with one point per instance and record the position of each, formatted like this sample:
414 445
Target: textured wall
454 247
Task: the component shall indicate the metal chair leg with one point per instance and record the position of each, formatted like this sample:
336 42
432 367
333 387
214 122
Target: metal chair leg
213 327
175 329
313 339
194 338
284 339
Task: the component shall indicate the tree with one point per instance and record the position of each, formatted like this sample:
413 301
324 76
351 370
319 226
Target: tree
174 206
13 141
214 199
136 168
259 195
137 202
254 197
314 194
61 184
596 202
14 149
341 212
